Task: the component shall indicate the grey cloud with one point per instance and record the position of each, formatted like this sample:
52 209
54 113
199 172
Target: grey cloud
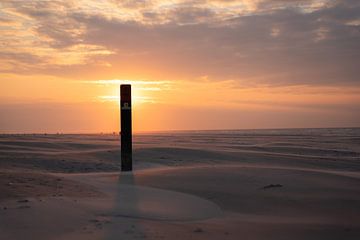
190 15
134 4
5 20
21 57
309 48
241 48
19 62
52 20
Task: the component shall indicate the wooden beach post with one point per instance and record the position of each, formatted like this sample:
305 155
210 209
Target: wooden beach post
126 131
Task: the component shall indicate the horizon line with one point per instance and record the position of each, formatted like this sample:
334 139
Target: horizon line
168 131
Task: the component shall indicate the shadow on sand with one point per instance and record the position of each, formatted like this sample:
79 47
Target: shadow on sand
123 223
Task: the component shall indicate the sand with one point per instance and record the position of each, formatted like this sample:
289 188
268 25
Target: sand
205 185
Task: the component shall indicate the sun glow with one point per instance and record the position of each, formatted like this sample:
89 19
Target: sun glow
141 90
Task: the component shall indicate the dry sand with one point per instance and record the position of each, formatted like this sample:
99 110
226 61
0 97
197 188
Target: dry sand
262 185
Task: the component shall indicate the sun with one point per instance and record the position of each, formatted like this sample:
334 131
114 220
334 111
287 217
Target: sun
141 91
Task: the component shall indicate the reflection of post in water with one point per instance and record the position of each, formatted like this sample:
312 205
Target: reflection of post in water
126 132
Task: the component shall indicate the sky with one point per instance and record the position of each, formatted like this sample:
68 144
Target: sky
193 64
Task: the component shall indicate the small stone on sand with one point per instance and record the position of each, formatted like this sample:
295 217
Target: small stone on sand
23 207
272 186
198 230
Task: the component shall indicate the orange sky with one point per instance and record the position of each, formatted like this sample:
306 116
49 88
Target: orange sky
192 64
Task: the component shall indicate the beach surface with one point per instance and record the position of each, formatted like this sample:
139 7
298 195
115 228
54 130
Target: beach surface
250 184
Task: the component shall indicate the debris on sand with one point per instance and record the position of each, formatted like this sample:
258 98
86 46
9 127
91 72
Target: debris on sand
23 207
129 231
198 230
94 221
271 186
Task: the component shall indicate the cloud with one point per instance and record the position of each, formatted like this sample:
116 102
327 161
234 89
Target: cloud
43 34
311 48
313 42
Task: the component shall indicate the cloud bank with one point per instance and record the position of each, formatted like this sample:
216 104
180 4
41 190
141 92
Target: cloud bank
251 41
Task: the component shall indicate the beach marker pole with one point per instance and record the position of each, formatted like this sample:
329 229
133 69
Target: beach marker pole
126 132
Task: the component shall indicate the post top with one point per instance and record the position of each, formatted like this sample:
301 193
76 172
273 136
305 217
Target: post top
125 92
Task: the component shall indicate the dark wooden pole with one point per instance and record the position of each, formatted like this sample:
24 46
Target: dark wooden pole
126 131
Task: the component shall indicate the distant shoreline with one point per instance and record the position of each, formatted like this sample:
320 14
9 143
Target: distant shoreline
181 131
